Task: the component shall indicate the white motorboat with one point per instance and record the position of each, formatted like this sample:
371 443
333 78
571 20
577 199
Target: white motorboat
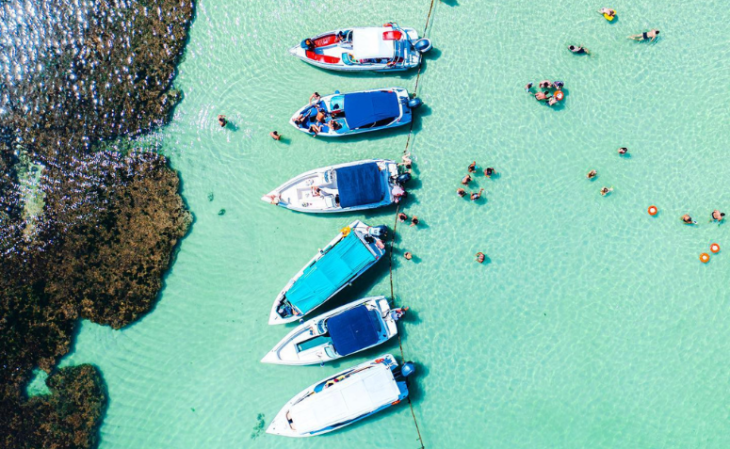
340 188
355 249
344 398
389 48
338 115
346 330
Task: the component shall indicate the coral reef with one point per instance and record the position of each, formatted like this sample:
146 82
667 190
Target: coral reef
109 221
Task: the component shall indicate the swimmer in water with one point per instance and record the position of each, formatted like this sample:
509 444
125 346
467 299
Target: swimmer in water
466 180
591 174
408 255
414 221
545 84
605 191
645 36
489 171
402 217
608 12
461 192
623 150
717 215
275 135
578 50
528 88
687 219
472 167
222 121
480 257
476 195
541 96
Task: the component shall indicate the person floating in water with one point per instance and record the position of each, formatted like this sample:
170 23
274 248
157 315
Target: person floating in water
623 151
472 167
528 88
558 84
542 96
461 192
466 180
545 84
275 135
579 50
480 257
414 221
408 255
402 217
717 215
222 121
476 195
645 36
591 174
606 190
489 171
688 220
607 12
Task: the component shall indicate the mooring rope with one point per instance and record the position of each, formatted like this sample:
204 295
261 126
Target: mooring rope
395 226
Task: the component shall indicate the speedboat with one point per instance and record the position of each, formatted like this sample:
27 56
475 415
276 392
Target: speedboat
338 115
341 188
346 330
344 398
355 249
389 48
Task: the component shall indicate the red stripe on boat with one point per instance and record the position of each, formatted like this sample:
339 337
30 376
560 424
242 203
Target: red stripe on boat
322 58
325 41
392 35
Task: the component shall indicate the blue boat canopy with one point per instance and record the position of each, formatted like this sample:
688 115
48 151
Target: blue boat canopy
366 108
359 185
353 330
322 279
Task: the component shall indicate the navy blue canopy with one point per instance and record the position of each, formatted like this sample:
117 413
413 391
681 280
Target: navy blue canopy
353 330
360 185
366 108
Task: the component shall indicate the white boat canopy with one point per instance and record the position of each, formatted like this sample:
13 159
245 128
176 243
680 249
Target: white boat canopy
368 43
353 397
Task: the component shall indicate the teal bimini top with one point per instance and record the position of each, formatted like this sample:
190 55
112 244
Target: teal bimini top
322 279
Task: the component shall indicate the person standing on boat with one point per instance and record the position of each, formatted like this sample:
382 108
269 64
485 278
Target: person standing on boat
398 313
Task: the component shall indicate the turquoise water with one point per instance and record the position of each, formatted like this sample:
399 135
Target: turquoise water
593 325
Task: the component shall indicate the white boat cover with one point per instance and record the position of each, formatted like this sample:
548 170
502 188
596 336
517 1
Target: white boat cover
357 395
368 43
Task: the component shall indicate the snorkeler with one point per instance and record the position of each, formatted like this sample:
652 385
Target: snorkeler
645 35
578 50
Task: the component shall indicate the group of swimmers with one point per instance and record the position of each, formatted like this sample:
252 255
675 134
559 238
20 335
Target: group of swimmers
316 125
716 216
551 91
472 168
623 151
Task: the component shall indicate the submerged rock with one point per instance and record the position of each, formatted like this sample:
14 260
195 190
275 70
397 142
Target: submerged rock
85 232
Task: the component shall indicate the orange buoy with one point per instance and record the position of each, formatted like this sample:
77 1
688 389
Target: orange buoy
704 257
653 210
559 95
715 248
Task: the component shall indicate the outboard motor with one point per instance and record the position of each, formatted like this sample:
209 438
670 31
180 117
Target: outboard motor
407 369
379 232
423 45
403 178
413 103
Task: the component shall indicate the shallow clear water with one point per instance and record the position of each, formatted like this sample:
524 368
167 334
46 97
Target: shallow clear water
594 324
